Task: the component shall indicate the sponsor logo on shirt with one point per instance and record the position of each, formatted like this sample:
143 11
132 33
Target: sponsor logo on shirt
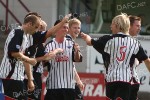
18 46
61 58
69 47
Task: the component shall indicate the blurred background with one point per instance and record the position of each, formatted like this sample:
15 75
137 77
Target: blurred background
95 15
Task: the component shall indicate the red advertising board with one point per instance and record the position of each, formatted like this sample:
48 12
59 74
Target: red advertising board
44 85
94 86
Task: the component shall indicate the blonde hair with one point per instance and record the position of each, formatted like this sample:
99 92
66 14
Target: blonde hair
74 21
122 22
43 26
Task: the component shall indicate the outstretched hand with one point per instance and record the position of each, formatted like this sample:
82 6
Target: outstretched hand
86 38
58 50
67 17
52 54
83 35
32 61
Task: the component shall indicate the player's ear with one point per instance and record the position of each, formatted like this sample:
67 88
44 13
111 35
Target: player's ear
117 27
30 24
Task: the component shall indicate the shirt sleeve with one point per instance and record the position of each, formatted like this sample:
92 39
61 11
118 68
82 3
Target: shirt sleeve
15 42
39 37
141 55
40 50
99 43
48 47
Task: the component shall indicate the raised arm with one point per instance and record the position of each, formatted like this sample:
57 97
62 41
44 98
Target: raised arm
55 28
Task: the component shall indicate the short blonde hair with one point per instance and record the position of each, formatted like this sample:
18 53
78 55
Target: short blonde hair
122 22
43 25
74 21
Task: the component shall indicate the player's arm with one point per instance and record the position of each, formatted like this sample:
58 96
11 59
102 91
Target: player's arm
22 57
14 48
28 72
147 63
142 56
49 55
86 38
77 79
42 58
55 28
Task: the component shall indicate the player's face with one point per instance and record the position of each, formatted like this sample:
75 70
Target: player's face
114 28
74 30
135 28
32 28
63 30
42 26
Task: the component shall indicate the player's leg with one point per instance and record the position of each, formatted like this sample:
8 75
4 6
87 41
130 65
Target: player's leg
54 94
36 94
110 90
123 91
134 91
69 94
14 89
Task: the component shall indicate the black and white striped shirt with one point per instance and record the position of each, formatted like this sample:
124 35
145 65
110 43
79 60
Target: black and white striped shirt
61 74
12 68
135 78
37 49
119 52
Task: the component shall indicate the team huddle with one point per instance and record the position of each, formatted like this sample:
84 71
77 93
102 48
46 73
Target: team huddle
26 55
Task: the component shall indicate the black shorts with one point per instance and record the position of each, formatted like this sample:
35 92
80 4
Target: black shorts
14 89
134 91
116 90
60 94
36 94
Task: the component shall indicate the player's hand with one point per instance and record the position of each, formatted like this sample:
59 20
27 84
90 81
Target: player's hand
81 85
52 54
83 35
76 47
86 38
31 85
32 61
58 50
49 56
66 18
